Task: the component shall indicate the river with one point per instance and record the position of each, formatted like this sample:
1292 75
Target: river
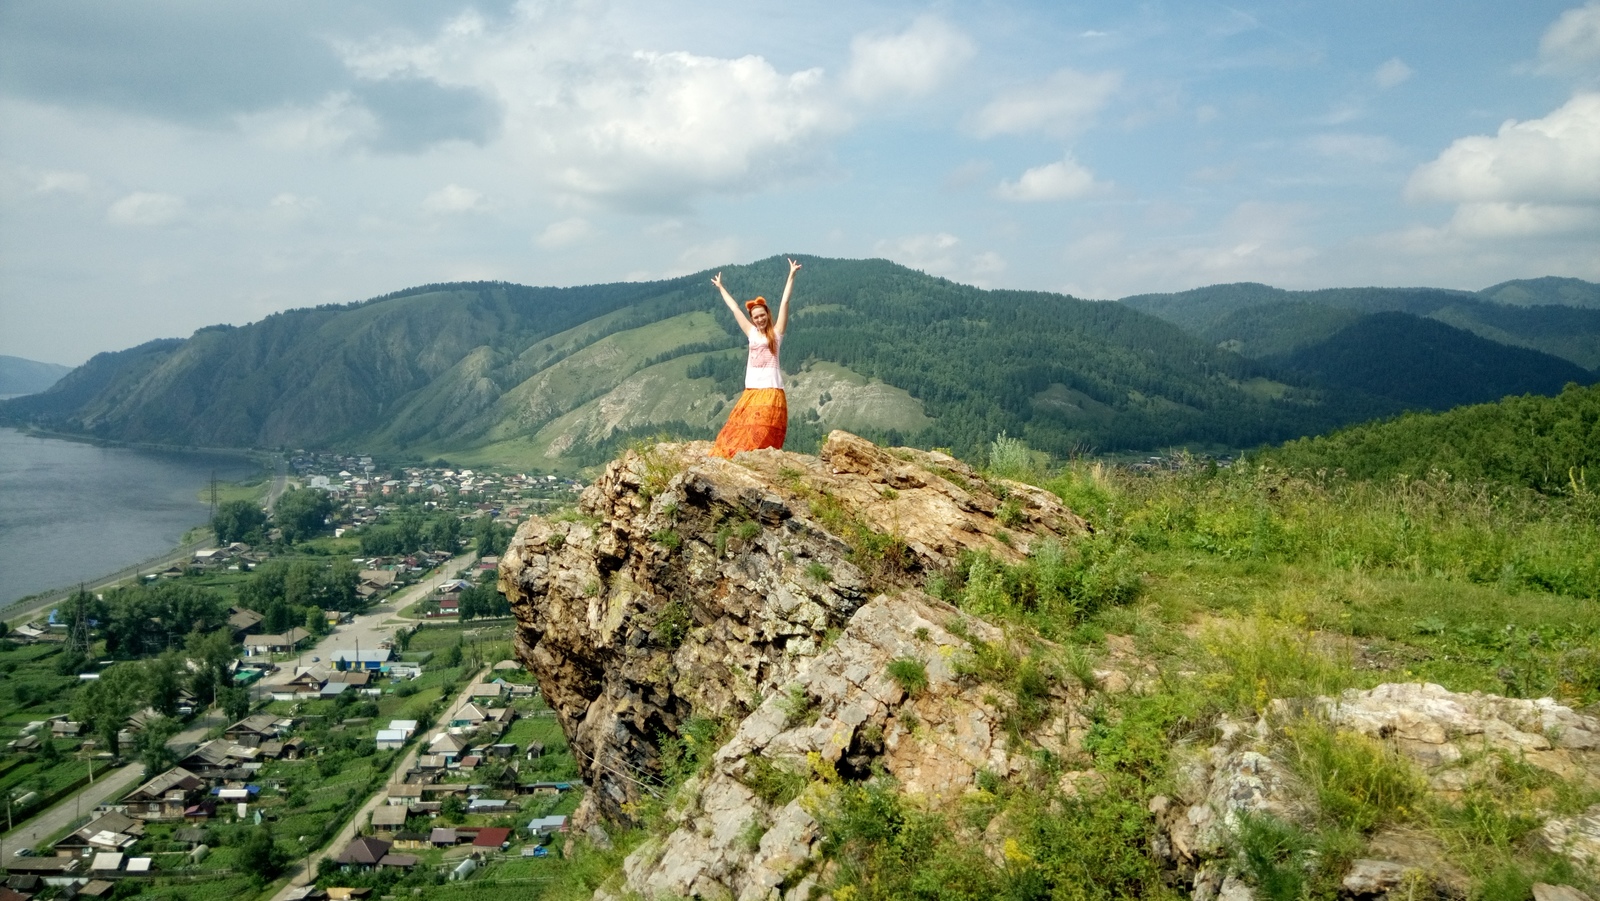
71 512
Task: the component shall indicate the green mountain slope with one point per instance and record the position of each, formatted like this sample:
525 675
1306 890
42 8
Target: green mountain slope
1549 444
558 377
19 376
1426 364
1556 316
1547 291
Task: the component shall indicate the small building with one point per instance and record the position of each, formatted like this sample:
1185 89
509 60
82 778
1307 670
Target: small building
243 622
405 794
492 837
285 643
112 831
409 727
253 730
442 837
388 819
363 852
366 659
468 714
391 739
547 825
165 797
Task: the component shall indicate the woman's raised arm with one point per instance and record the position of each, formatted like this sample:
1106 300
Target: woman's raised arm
733 305
782 322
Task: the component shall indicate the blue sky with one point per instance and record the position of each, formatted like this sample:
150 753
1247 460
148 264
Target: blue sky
170 164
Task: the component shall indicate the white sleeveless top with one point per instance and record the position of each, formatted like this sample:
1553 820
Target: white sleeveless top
761 371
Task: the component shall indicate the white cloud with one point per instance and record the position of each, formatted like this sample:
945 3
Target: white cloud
912 63
453 198
334 122
1061 105
929 252
632 129
1392 74
146 209
1065 179
1572 43
1354 147
1531 177
565 233
62 183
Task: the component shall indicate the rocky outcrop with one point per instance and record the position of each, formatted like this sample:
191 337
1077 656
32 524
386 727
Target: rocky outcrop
689 586
1453 742
765 616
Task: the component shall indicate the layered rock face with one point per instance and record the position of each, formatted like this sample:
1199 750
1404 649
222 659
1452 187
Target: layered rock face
773 601
693 587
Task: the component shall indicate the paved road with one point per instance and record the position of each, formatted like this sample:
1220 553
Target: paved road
369 630
307 869
108 787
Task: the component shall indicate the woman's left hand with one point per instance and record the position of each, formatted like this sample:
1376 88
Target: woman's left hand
794 266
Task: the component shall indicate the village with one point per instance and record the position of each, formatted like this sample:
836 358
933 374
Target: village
392 742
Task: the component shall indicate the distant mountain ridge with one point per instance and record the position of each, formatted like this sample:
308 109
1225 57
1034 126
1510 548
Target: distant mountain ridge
1557 316
20 376
557 378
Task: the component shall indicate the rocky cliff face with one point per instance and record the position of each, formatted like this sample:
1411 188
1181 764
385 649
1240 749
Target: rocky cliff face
693 587
768 611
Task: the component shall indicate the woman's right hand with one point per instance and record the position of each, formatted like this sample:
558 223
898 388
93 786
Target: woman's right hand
717 280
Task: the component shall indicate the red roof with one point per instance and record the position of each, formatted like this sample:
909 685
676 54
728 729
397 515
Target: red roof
492 837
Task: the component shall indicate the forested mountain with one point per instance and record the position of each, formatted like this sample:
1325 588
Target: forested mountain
1549 444
1558 316
19 376
1425 364
558 377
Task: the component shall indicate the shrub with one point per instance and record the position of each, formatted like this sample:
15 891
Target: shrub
909 673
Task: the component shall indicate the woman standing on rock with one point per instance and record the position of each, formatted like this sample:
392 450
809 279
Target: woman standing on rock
761 417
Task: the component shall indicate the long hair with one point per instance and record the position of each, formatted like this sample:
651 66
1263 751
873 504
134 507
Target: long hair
771 327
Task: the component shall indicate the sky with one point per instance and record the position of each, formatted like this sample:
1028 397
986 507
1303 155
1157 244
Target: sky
171 164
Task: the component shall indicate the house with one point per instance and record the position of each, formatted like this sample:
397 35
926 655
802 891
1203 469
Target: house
285 643
165 797
522 691
109 832
106 862
354 678
492 837
427 763
253 730
486 805
409 727
400 861
442 837
411 841
469 714
371 660
405 794
64 728
449 746
333 690
363 852
243 622
221 759
547 825
388 819
391 739
486 691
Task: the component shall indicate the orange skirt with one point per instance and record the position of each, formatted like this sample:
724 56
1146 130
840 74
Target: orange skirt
760 419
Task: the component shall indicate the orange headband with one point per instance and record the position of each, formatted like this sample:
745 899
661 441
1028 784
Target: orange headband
750 305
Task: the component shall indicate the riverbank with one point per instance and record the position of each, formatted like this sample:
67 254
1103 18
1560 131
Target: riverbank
74 511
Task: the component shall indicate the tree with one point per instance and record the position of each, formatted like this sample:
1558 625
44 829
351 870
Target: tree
159 684
260 856
103 707
151 743
301 513
211 653
238 521
316 621
236 703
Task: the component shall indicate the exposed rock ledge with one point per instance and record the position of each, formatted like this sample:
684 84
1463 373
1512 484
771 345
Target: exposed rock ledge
692 586
772 592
